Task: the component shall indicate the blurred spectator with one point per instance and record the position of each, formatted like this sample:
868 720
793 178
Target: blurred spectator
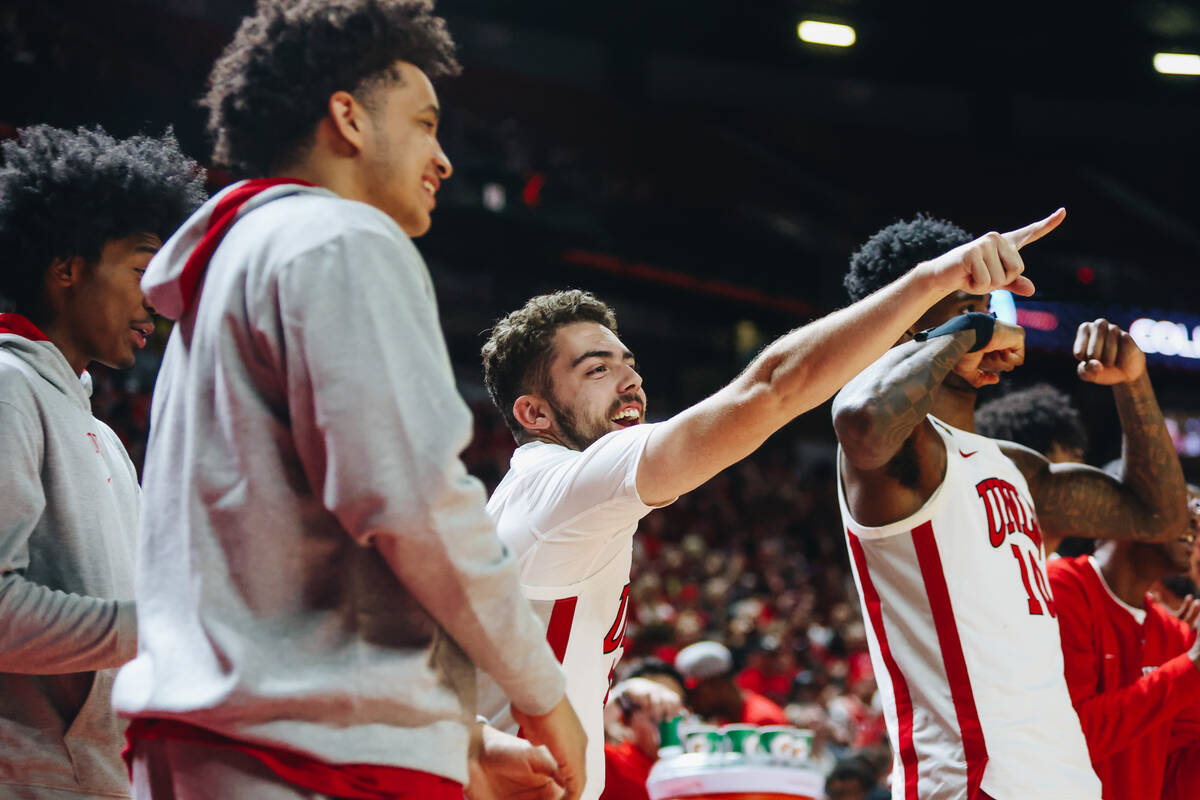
712 693
855 715
653 693
851 779
813 717
769 671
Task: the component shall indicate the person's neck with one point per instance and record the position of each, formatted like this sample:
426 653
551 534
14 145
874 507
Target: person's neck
60 336
328 173
955 407
1126 576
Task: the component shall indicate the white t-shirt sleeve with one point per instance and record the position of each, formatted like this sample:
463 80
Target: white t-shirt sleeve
602 477
582 505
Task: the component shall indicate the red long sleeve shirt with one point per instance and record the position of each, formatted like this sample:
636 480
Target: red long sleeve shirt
1128 674
625 772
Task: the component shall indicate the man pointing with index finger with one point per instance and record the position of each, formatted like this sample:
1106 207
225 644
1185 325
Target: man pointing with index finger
948 533
587 469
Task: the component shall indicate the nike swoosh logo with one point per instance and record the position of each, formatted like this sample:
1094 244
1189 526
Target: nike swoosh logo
967 455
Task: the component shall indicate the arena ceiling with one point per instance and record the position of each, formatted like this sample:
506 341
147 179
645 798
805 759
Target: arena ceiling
728 139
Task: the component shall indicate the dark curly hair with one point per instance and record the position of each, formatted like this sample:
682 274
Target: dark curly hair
65 193
272 84
896 249
516 356
1038 417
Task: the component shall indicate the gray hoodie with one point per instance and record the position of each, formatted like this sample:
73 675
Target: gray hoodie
316 570
68 513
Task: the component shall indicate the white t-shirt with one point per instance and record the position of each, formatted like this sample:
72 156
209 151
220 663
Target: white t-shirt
964 639
569 519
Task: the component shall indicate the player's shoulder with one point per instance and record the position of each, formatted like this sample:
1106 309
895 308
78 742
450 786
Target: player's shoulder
967 441
529 462
17 381
308 222
1070 574
534 456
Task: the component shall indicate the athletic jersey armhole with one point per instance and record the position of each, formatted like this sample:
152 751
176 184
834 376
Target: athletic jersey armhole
927 510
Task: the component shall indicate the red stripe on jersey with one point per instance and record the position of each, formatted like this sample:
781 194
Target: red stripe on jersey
904 707
559 629
974 747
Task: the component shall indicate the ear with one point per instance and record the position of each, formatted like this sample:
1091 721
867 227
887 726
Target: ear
347 122
533 413
64 272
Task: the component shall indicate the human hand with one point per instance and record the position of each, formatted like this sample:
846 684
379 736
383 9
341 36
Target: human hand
1189 612
655 700
1003 353
992 261
1107 355
505 766
559 730
644 704
1194 651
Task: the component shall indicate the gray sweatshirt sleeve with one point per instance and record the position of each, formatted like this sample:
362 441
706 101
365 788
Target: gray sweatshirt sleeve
44 630
379 425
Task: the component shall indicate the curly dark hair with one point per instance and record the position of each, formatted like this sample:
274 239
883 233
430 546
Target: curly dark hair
272 84
1038 417
896 249
516 356
65 193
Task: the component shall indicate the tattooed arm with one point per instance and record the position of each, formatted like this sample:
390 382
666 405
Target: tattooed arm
803 369
1149 502
893 459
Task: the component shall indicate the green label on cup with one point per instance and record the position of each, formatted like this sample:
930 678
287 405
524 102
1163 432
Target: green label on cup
742 738
784 744
708 740
668 732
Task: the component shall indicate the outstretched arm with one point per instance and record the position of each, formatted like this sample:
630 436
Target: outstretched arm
804 368
1149 502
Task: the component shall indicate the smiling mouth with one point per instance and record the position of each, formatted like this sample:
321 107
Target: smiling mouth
141 334
630 415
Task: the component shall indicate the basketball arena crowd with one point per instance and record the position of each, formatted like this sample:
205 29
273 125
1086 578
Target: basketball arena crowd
272 526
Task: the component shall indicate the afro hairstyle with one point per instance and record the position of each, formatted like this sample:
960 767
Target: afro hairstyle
271 86
65 193
896 249
1038 418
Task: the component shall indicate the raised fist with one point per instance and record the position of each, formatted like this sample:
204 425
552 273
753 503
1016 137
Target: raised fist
1004 352
1107 354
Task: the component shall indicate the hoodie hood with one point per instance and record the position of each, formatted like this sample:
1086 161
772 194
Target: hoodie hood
22 340
172 281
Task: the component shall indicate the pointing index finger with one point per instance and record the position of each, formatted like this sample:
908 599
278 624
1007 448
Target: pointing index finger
1031 233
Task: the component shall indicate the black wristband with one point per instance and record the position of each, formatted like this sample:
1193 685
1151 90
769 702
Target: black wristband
982 324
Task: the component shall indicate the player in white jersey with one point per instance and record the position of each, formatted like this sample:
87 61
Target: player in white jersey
587 471
948 533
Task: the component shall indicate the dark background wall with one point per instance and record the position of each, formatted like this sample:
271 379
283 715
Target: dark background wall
707 172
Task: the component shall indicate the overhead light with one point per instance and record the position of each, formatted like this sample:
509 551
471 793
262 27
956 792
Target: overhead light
830 33
1177 63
